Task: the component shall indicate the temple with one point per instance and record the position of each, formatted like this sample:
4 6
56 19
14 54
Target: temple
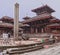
7 26
43 22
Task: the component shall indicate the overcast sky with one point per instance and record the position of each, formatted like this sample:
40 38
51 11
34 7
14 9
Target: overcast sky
7 7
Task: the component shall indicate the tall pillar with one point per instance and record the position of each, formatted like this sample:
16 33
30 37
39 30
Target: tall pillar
16 21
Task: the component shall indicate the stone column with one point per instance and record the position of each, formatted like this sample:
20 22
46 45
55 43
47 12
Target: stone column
36 30
16 19
42 30
32 30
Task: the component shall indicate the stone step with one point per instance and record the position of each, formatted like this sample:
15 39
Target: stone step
25 50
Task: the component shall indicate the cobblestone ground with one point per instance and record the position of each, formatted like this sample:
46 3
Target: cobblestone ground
50 51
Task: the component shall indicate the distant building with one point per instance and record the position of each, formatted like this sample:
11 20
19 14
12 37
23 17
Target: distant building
7 24
43 22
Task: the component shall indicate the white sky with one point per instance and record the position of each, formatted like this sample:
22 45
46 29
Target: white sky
7 7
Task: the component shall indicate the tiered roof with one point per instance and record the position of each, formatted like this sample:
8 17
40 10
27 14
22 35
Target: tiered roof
26 18
55 25
54 20
9 25
39 17
4 18
44 8
6 25
43 12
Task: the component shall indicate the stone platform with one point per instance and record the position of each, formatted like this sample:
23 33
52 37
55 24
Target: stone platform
11 42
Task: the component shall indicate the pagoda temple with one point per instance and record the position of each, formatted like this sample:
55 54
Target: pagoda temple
43 22
7 26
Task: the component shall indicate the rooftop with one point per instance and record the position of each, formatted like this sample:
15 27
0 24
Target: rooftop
44 8
39 17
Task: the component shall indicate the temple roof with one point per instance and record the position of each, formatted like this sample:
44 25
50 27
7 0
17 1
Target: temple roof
23 25
54 20
6 25
39 17
55 25
42 9
26 18
9 19
6 18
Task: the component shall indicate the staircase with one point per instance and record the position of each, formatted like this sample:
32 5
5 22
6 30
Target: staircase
24 49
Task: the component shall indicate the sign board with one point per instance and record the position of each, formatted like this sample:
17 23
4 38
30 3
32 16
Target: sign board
5 36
